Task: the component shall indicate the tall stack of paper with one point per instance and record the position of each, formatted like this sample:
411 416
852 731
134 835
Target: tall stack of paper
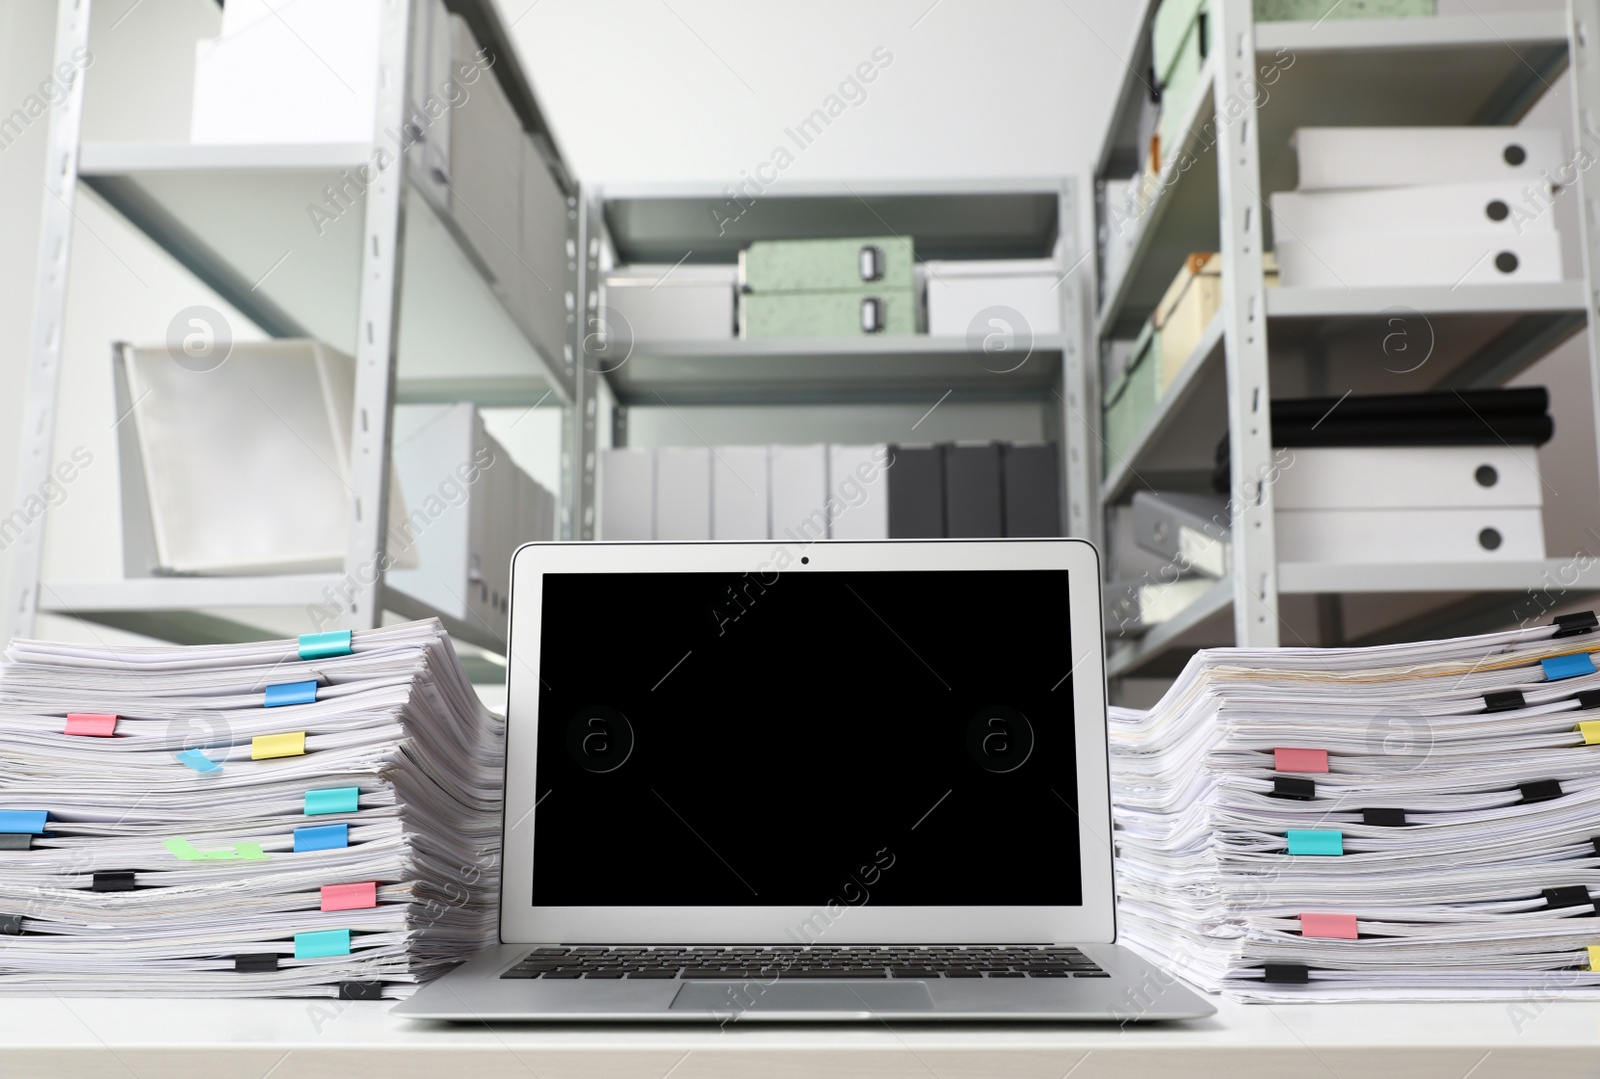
311 818
1417 821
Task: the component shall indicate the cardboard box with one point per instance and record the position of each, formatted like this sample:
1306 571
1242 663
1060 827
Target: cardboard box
1359 157
1314 10
827 314
662 303
871 263
959 291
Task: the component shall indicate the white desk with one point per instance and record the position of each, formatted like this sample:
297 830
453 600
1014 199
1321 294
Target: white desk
145 1038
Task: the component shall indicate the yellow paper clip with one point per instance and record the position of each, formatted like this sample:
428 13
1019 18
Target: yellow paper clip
277 745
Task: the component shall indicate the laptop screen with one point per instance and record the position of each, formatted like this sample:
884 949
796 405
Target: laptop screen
904 738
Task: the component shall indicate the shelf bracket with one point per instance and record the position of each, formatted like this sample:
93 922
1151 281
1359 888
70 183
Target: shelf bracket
24 545
1252 469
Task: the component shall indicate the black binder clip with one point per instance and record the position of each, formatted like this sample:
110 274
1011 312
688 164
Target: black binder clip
1384 818
1574 625
1541 790
1299 790
1506 700
1286 973
121 881
10 925
1589 699
255 963
1575 895
360 990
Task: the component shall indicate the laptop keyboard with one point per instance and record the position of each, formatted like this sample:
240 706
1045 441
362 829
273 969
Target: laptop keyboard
786 962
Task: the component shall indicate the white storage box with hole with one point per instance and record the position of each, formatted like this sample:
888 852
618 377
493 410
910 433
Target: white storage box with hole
1489 534
660 303
1484 209
245 467
959 291
1409 477
1345 157
1391 261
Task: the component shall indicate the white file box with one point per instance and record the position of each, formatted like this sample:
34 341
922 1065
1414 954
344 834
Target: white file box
1484 209
858 480
1343 157
739 505
1491 534
1382 261
1409 477
683 493
627 494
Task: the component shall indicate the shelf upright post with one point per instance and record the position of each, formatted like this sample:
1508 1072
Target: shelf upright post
378 332
1244 307
586 325
43 378
1080 397
1583 36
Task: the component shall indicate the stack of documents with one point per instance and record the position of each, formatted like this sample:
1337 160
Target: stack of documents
1417 821
292 818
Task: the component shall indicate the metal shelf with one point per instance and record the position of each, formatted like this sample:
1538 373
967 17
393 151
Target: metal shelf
1474 335
180 609
1442 70
1201 623
1434 71
294 277
829 371
994 219
1180 219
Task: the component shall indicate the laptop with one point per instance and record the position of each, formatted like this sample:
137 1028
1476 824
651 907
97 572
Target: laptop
749 782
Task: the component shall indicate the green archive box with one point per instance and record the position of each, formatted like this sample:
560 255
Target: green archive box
875 263
841 313
1133 397
1313 10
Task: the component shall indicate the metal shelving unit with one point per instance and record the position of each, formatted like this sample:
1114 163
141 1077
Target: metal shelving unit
988 219
405 293
1260 83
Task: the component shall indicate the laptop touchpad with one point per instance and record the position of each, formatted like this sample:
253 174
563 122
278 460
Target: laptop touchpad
861 998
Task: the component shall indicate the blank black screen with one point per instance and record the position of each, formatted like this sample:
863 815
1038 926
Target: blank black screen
903 738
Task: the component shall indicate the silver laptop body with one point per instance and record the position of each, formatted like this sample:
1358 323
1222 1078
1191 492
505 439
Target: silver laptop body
825 781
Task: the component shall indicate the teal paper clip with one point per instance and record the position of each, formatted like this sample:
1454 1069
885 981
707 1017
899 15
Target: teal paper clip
324 943
198 761
322 837
290 693
1559 667
1318 842
332 800
324 645
29 821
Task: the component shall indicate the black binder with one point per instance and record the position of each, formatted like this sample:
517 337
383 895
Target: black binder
972 481
916 493
1032 490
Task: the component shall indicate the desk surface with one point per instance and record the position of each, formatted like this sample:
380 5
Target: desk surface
65 1038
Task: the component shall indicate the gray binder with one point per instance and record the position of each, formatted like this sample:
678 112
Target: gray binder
916 493
1032 490
1192 530
972 501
